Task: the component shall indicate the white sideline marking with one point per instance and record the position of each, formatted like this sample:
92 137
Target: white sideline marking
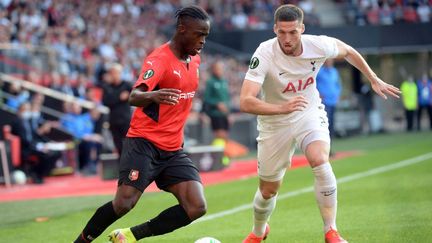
344 179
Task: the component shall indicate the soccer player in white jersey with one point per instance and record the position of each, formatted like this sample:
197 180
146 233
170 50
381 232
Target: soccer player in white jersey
290 113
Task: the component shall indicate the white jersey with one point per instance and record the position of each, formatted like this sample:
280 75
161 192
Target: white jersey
284 77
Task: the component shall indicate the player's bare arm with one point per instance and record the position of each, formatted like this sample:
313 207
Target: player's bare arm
142 98
354 58
249 102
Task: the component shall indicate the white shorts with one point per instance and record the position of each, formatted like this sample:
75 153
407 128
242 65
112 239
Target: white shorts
277 143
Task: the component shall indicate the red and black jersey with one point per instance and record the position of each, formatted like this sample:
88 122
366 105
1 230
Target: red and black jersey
163 124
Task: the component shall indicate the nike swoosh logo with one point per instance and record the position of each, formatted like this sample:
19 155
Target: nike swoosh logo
282 73
328 193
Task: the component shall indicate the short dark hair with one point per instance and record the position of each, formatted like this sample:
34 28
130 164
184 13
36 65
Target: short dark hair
288 12
193 11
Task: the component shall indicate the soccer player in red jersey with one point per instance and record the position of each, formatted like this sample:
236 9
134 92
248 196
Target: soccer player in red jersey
152 149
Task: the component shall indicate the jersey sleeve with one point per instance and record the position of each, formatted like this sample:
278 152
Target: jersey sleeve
330 46
152 72
258 66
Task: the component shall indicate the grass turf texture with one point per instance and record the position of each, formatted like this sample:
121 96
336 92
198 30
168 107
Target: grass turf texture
393 206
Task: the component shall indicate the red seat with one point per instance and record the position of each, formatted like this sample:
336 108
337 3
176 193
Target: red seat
15 144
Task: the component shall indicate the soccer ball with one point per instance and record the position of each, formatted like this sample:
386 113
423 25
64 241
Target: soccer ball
19 177
207 240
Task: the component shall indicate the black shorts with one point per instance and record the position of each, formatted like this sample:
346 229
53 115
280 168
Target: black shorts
141 163
219 123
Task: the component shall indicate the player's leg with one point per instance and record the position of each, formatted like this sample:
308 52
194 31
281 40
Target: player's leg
182 179
317 153
315 143
264 203
125 199
191 206
275 150
131 184
190 195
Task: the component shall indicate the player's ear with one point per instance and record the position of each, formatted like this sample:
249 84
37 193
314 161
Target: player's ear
303 28
275 28
181 28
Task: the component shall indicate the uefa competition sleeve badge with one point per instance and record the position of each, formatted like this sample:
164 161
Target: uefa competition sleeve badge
254 63
148 74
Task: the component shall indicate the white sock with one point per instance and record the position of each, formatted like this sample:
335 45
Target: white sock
262 211
326 194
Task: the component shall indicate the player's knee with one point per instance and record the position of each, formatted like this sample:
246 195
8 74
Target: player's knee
197 210
123 205
268 193
315 163
318 159
317 153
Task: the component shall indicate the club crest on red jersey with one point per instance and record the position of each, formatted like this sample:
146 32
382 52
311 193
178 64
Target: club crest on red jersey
133 175
148 74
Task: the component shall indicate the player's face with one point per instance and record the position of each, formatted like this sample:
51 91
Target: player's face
194 35
289 36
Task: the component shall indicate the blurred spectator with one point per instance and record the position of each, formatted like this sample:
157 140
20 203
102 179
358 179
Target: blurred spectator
5 27
67 85
410 14
217 103
116 96
424 12
55 82
82 87
409 99
36 119
329 86
239 19
424 99
82 127
37 161
18 96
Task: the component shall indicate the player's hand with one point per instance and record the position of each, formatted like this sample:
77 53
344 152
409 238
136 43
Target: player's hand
382 88
166 96
124 95
223 108
297 103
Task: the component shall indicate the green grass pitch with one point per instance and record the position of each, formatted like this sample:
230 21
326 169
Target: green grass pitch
384 195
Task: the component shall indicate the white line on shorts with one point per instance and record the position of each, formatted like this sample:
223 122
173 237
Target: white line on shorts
344 179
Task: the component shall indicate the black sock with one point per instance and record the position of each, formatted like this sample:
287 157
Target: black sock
102 218
167 221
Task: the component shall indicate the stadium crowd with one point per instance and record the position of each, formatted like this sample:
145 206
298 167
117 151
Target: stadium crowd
85 43
386 12
88 36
